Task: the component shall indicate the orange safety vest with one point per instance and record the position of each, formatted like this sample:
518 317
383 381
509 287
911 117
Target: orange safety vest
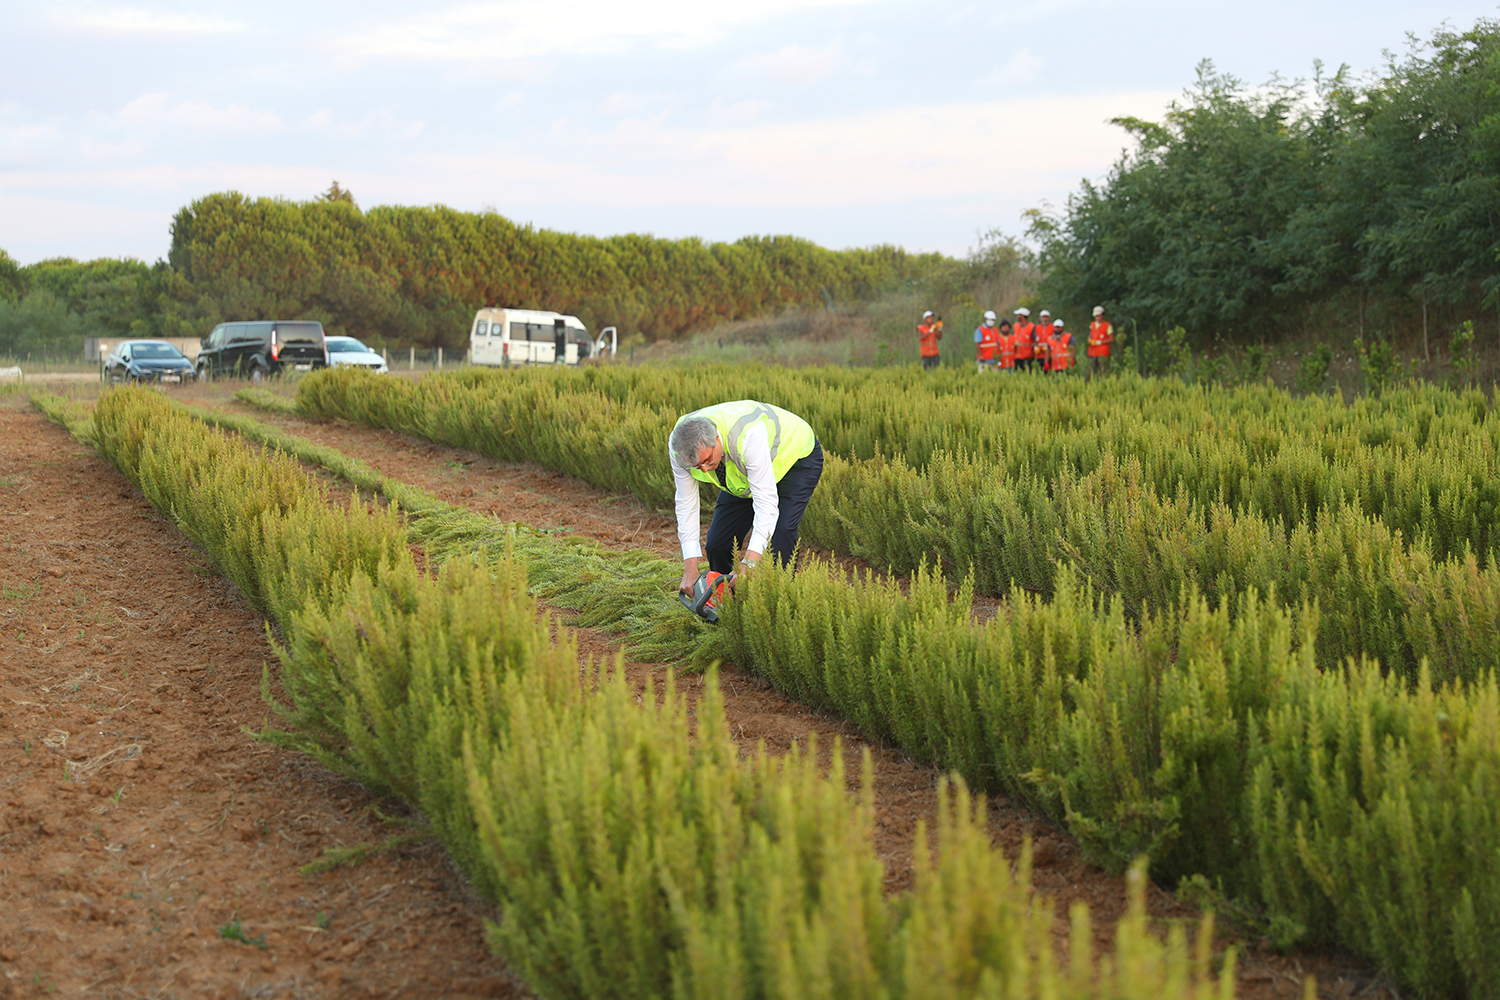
930 335
1007 350
1061 351
990 339
1025 339
1043 348
1101 335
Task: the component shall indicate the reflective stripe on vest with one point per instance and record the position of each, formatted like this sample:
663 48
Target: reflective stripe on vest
788 435
1062 351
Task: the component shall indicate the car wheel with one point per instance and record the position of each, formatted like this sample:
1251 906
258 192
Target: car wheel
202 372
258 373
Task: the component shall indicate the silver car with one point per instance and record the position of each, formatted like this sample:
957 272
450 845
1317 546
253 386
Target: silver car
347 352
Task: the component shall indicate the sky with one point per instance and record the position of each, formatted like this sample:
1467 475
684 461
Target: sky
847 122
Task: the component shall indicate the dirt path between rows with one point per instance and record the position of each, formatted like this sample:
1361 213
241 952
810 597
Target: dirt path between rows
118 883
137 820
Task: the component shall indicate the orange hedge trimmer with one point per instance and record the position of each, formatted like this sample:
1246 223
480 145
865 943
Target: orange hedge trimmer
710 589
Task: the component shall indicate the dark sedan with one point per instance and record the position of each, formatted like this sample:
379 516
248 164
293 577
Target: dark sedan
147 361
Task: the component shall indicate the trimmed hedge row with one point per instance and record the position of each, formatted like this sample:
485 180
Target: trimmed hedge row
630 851
1350 810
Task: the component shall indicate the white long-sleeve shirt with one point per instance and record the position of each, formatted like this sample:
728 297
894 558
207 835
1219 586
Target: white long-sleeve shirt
756 451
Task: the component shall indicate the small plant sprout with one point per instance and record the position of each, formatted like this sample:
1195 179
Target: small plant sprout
234 931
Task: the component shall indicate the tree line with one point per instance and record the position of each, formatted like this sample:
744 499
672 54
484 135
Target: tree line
1371 205
415 275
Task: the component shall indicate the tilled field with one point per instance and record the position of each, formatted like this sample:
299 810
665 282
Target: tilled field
149 846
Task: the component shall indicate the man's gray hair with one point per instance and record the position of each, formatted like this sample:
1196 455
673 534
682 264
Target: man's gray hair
690 437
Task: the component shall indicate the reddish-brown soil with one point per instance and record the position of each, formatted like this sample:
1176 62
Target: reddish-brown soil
175 823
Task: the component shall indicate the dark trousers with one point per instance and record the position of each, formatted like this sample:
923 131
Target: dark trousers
928 364
734 516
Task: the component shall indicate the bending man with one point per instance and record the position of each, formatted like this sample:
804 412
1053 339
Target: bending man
766 463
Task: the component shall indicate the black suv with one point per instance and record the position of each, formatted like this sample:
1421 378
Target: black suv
256 350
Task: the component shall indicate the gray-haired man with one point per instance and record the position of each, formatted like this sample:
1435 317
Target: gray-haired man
766 462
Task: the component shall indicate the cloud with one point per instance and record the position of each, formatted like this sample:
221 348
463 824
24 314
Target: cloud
28 142
738 113
794 65
156 109
138 21
623 103
960 151
239 118
146 108
501 30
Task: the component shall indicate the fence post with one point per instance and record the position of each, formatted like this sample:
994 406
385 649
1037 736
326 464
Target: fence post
440 358
411 360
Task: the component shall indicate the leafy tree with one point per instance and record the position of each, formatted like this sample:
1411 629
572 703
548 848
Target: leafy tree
336 193
12 278
1181 230
39 321
1244 209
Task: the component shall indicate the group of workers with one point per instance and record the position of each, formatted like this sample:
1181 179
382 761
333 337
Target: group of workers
1023 345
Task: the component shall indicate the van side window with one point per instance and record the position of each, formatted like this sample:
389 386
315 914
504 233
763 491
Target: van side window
481 329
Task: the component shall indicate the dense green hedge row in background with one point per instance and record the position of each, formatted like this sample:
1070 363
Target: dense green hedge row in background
416 275
630 850
1383 513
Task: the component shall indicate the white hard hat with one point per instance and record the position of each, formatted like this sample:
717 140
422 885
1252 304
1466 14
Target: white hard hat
989 314
1057 322
1044 313
927 314
1098 310
1023 311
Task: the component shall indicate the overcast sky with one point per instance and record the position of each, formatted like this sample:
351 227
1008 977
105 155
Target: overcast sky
849 122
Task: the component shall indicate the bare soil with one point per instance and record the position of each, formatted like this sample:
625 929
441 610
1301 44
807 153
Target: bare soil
139 820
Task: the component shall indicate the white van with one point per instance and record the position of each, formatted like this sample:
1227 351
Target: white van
531 337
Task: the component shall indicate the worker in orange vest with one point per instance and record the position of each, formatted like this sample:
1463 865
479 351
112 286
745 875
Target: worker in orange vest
1007 347
1025 338
1043 338
986 340
1101 336
929 332
1059 348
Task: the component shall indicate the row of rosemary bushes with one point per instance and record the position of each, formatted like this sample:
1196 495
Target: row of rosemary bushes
631 852
1346 807
1382 513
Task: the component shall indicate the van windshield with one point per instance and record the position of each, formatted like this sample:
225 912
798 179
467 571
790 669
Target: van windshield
300 333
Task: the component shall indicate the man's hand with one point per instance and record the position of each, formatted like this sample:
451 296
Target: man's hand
749 559
689 576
